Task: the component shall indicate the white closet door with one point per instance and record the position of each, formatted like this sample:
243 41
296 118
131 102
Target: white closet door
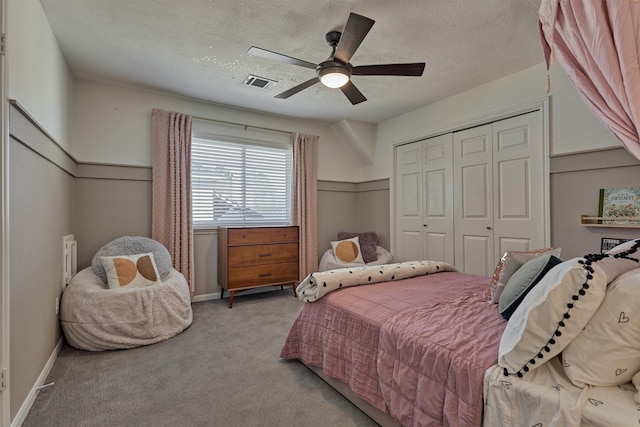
468 197
473 200
518 183
438 199
409 202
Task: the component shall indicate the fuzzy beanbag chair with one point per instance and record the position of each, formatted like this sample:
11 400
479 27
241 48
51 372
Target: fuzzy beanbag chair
130 296
94 318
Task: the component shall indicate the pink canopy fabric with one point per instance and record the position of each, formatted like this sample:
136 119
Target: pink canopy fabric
597 43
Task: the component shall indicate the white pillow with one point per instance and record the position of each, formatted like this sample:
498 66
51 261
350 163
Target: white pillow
607 352
509 263
554 312
636 382
130 271
348 250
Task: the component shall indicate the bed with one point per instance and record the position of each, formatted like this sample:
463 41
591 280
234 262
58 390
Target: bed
428 349
355 333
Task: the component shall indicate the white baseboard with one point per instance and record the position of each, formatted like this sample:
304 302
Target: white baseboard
31 397
216 295
205 297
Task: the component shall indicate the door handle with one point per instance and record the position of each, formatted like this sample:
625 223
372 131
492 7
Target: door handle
488 228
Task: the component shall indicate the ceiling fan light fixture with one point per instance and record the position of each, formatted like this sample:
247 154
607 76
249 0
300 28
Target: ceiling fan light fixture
334 77
336 71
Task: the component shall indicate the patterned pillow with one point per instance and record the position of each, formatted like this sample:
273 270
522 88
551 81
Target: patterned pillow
347 250
559 307
510 262
131 271
368 243
131 245
616 329
523 280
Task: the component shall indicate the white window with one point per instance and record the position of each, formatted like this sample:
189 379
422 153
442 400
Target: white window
240 182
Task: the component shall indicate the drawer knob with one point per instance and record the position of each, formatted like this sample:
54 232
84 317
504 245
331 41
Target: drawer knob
265 275
264 255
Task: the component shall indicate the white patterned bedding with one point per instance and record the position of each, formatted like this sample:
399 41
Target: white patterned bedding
320 283
546 398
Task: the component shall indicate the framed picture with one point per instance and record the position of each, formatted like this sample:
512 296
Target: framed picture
619 204
608 243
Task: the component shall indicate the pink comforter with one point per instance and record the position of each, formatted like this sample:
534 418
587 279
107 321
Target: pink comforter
417 348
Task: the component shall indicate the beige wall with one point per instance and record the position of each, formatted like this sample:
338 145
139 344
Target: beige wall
41 202
205 260
41 193
352 207
575 184
336 211
113 201
39 78
372 210
572 126
112 125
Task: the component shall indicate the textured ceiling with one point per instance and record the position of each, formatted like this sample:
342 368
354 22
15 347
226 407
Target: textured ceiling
198 48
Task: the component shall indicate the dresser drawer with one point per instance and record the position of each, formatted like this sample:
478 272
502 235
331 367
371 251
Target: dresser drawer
250 236
257 256
263 254
240 277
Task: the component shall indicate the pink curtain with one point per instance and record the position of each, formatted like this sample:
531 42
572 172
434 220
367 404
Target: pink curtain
305 199
171 222
597 43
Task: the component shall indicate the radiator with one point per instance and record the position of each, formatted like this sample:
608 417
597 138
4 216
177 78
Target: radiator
69 259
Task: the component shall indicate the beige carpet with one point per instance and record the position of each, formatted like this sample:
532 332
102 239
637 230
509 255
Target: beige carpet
224 370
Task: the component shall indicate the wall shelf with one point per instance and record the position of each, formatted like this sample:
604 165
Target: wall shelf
593 221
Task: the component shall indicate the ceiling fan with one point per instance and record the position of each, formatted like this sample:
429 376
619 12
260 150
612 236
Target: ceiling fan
336 71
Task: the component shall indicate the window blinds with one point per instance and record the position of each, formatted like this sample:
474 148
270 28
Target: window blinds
240 183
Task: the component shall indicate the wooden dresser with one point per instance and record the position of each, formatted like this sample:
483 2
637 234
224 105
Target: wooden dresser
250 257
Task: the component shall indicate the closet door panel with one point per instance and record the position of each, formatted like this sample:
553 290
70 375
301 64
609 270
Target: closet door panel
438 197
411 196
438 246
518 183
476 255
409 245
409 202
475 192
512 198
513 244
473 200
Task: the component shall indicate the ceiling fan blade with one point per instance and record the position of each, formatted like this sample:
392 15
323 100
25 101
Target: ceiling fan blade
415 69
354 32
296 89
352 92
274 56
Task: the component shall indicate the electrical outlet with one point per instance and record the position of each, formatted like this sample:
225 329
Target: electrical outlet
58 305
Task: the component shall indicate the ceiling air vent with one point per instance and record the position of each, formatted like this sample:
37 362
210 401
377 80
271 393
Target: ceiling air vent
260 82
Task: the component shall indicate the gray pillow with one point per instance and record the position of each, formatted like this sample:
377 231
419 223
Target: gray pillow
132 245
368 243
523 280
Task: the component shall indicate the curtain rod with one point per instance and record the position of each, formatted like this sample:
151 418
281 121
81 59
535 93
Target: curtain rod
245 126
